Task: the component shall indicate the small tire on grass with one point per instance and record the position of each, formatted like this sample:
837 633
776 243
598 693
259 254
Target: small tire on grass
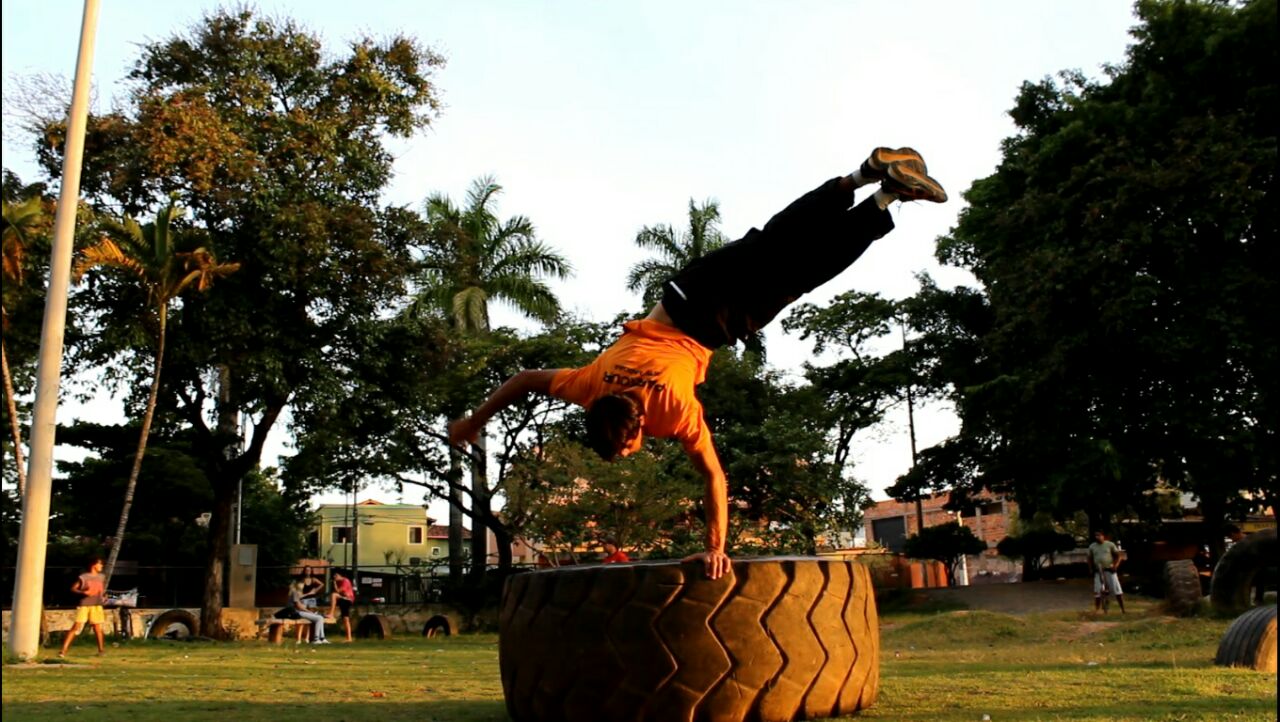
1250 641
437 625
374 626
161 624
1234 575
1182 587
779 639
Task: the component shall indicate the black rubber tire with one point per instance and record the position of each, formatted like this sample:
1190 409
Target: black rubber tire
1233 576
778 639
1182 593
1250 641
438 624
374 626
171 617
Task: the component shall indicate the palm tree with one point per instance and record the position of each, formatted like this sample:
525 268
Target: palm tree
473 258
675 250
149 254
20 220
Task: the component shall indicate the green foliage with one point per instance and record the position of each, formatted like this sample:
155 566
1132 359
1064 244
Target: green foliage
674 249
471 257
785 486
947 543
571 497
174 490
279 149
1122 334
1035 546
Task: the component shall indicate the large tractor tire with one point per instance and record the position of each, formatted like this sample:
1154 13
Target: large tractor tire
1234 575
1250 641
374 626
1182 587
174 624
776 640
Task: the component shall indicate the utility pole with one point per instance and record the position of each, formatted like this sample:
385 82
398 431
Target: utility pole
911 429
33 539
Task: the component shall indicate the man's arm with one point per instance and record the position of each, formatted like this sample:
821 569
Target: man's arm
515 388
1118 555
717 509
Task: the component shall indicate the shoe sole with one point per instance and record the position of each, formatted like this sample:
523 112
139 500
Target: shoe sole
910 183
882 159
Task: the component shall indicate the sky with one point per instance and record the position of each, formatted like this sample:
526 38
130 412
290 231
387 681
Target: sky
599 118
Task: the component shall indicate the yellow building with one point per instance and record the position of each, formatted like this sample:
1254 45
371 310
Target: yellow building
382 534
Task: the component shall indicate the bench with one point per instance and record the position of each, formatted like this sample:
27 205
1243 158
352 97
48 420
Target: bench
276 628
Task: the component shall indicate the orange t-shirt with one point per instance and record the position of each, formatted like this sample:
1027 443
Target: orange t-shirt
658 363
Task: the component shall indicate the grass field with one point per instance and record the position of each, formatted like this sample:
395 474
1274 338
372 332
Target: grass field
936 665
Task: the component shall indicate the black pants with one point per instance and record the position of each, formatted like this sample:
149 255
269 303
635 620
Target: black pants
734 291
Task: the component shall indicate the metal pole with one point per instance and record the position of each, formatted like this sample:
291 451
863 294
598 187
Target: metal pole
239 506
28 585
355 541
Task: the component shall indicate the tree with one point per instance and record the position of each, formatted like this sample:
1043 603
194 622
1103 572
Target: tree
386 423
786 484
947 543
1123 247
21 220
1034 547
571 497
149 255
279 149
472 257
674 249
164 531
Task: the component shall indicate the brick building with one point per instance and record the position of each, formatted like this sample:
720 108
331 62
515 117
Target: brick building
889 523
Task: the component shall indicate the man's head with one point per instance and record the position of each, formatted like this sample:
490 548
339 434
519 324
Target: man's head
337 574
95 565
610 545
614 422
1099 536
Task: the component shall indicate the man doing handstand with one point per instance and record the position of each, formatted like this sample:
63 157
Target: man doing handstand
644 383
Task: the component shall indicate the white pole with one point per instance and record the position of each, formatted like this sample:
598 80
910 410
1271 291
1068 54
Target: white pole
28 585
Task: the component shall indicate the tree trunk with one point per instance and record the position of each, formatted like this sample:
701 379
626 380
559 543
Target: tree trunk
14 427
227 468
503 539
224 490
455 518
132 484
480 511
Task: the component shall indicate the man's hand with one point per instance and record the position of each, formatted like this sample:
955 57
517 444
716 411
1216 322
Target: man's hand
462 432
716 562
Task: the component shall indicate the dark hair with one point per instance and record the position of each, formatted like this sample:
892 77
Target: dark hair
94 560
610 541
612 421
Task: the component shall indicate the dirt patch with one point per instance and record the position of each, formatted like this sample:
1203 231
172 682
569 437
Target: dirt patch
1019 598
1084 629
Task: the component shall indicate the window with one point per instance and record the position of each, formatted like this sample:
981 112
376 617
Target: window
435 551
340 535
416 534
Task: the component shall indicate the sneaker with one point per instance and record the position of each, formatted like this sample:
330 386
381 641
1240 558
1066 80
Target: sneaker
321 641
876 166
911 183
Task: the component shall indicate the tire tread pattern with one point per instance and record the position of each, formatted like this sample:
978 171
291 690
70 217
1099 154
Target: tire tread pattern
778 640
1250 641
